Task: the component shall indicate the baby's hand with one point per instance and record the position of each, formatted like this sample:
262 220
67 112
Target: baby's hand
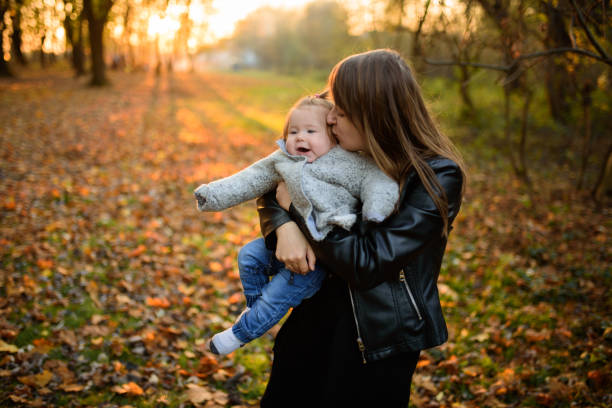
200 195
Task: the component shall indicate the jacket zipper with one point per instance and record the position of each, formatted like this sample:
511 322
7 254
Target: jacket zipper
359 340
402 278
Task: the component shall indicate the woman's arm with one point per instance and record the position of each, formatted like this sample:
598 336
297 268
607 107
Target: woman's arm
283 236
373 253
271 216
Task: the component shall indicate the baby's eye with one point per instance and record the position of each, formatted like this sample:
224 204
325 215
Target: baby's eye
312 131
293 132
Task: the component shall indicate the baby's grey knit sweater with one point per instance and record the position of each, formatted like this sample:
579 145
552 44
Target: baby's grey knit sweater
326 192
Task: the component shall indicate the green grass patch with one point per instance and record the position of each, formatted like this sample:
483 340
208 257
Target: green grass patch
77 315
29 334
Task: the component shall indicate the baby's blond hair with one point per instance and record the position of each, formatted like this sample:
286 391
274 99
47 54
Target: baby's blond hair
316 101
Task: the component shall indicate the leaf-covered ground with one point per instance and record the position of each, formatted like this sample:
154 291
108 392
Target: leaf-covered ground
111 280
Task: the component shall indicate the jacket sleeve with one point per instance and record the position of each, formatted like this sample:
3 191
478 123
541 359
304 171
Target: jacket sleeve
271 216
247 184
373 253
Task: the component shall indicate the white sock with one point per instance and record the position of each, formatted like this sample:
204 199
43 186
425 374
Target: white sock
226 341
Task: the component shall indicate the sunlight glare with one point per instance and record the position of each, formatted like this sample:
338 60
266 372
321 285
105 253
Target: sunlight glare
227 14
165 26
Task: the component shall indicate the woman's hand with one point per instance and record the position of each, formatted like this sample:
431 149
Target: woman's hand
293 249
282 196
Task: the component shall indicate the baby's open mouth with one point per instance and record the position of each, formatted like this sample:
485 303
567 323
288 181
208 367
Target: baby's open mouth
302 150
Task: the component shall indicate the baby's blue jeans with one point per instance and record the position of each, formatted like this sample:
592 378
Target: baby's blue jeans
269 299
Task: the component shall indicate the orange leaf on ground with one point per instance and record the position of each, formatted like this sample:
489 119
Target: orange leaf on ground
130 388
423 363
29 282
208 365
118 367
10 204
42 345
44 263
501 391
215 266
235 298
544 399
39 380
71 387
534 336
158 302
138 251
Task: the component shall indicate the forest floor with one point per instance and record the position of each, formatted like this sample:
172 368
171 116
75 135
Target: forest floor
111 280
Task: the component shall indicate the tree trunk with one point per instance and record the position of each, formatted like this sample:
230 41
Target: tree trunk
524 172
417 49
468 105
127 33
16 41
556 75
98 68
604 174
96 20
508 132
43 62
76 42
586 140
74 35
78 52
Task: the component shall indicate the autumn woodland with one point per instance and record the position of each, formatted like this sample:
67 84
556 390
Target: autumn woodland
113 111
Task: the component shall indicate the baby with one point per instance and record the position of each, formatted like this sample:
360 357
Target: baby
326 184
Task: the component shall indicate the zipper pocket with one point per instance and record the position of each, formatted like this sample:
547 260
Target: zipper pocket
402 278
359 340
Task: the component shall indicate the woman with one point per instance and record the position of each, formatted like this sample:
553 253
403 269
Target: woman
357 341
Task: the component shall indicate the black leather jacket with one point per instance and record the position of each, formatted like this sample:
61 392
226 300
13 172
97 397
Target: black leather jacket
391 268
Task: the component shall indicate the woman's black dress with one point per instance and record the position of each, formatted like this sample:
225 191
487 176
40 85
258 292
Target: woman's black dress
317 362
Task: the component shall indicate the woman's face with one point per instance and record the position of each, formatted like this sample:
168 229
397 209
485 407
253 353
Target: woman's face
349 137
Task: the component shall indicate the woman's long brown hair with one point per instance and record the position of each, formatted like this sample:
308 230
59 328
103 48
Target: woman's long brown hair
378 93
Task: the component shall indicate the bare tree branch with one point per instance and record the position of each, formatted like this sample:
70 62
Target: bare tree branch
502 68
563 50
510 67
599 48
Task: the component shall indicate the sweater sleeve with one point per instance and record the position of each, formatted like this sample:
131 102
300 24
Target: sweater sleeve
373 253
379 194
247 184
